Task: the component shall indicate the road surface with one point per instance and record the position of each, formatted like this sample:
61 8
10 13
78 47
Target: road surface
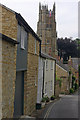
67 107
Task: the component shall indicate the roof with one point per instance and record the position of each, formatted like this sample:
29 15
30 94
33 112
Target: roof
8 39
22 22
64 66
75 62
7 8
44 55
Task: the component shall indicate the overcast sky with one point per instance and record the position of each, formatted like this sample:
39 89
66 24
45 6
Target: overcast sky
66 14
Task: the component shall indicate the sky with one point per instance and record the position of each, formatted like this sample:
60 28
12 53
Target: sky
66 14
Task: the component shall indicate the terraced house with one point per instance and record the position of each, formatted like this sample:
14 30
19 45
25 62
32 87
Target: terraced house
18 65
46 77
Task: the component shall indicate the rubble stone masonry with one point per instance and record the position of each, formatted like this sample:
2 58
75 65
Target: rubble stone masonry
0 64
31 76
7 62
64 75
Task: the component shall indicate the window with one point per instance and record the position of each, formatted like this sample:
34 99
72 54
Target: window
51 64
45 87
51 84
50 25
46 25
35 47
22 38
46 64
47 41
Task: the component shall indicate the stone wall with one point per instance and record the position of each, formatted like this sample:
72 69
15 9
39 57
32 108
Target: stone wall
0 64
8 78
31 77
0 78
62 74
9 23
61 71
9 28
64 88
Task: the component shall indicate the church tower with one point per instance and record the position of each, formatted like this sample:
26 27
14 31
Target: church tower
46 29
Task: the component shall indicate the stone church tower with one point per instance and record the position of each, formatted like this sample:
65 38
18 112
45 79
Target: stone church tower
46 29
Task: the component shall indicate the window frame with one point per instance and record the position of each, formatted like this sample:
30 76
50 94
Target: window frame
22 38
51 65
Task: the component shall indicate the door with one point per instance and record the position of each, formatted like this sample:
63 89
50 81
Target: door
19 95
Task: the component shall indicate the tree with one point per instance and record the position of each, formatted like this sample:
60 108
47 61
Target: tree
67 47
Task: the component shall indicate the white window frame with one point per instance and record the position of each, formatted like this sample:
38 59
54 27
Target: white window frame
51 85
46 64
22 38
51 65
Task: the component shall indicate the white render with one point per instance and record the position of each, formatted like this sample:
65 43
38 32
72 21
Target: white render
46 78
40 80
49 78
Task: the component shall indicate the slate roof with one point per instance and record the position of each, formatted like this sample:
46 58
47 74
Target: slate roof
75 62
64 66
44 55
8 39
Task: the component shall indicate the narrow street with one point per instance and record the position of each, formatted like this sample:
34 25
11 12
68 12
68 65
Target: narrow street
66 107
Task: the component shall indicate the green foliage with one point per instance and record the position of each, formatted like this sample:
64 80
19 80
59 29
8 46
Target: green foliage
76 86
60 82
70 72
73 81
45 99
73 78
53 97
62 92
71 90
57 78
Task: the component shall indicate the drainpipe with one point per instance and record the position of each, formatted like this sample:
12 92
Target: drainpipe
55 79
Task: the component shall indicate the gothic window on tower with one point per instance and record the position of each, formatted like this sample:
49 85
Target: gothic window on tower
47 26
50 25
48 42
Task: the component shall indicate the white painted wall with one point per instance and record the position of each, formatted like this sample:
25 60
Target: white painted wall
49 78
40 80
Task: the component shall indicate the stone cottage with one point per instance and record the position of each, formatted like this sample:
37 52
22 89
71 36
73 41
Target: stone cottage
26 68
18 65
8 50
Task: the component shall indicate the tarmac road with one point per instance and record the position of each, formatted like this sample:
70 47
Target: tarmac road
67 107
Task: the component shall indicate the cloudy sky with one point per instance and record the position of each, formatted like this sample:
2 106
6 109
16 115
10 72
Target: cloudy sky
66 14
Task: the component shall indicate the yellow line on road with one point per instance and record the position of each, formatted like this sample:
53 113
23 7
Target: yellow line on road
48 112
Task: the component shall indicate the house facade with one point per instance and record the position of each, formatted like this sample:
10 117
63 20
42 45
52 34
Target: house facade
8 51
46 77
26 69
18 65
